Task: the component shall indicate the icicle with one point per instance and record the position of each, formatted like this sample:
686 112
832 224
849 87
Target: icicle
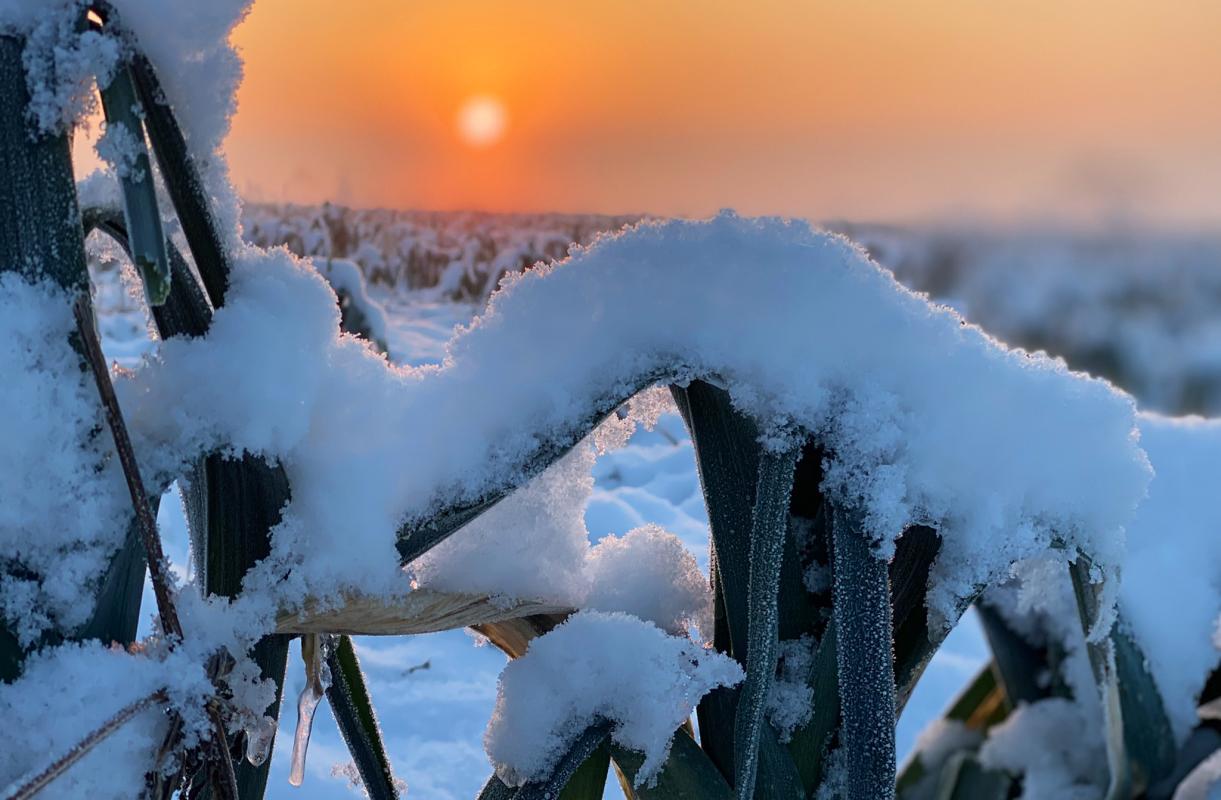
259 737
317 681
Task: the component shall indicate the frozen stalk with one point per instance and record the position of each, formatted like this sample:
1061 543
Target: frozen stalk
865 659
317 679
766 552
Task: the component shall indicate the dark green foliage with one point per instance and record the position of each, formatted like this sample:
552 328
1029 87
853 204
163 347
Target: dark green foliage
589 781
728 454
575 777
768 533
865 660
687 774
349 698
1147 733
146 245
40 233
962 778
1016 661
810 743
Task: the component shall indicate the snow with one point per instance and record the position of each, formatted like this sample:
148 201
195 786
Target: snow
599 666
1055 746
434 717
361 313
1171 571
931 421
65 506
542 551
91 684
791 701
62 64
943 738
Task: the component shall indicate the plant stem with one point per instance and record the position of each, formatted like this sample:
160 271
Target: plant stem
38 782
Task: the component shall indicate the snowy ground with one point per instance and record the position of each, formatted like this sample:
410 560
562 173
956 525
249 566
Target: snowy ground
435 692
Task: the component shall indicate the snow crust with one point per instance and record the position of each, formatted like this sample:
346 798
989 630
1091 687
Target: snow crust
596 665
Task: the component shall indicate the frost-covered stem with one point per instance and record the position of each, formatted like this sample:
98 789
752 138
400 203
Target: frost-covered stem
865 660
168 614
770 524
131 470
1102 663
349 698
35 784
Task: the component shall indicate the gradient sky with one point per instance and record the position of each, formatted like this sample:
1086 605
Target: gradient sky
1067 110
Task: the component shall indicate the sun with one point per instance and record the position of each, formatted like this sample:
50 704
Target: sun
482 120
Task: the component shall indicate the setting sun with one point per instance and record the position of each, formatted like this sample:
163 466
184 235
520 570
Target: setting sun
482 121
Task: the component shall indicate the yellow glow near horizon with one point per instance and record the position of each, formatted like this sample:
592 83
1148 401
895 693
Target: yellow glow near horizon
482 121
1060 110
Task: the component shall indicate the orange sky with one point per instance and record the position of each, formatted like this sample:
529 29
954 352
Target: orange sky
867 110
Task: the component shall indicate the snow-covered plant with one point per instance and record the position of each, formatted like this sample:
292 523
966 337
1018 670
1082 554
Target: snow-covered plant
871 467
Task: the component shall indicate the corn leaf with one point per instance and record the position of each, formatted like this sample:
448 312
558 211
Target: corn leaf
1017 662
688 774
768 532
863 625
349 699
147 239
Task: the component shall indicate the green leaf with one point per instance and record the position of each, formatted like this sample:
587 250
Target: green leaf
495 789
1102 662
768 531
353 709
182 179
914 643
865 659
688 774
589 781
40 232
1147 732
981 704
147 239
727 453
810 743
1018 663
963 778
575 777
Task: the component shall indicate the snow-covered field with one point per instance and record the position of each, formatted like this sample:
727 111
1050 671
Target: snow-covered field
435 692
